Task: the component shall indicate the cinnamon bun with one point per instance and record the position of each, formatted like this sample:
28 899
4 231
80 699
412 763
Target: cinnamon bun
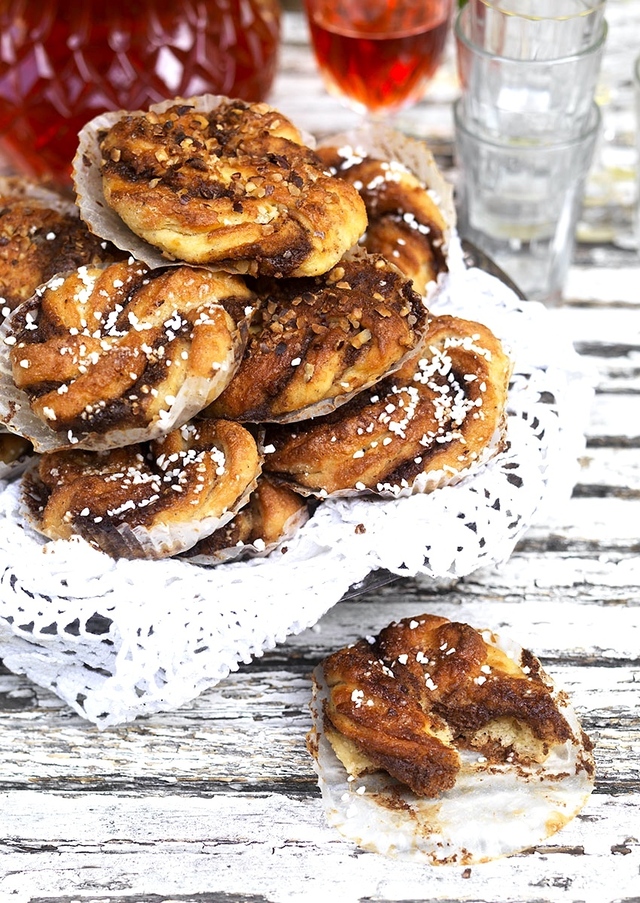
441 414
227 183
107 356
147 500
437 741
406 223
315 342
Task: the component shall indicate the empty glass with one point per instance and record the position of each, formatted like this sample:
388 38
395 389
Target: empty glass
513 98
519 201
535 29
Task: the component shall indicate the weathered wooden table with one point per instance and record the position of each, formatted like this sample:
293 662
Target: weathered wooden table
218 801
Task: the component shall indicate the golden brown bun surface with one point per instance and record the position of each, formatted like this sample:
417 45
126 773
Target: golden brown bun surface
437 414
315 341
234 186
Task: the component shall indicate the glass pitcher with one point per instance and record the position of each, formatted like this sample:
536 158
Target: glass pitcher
62 62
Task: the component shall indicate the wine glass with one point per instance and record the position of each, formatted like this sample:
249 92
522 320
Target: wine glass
378 56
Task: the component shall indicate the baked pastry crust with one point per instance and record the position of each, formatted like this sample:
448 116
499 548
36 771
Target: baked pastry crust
149 500
314 342
113 355
12 449
410 698
437 742
424 426
405 222
40 235
230 183
271 516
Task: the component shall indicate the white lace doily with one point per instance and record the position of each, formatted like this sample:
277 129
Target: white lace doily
120 639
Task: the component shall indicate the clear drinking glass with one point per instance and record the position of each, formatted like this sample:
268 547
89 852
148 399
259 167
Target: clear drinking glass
535 29
519 201
378 56
512 98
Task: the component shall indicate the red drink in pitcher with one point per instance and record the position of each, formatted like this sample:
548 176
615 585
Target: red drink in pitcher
64 61
379 56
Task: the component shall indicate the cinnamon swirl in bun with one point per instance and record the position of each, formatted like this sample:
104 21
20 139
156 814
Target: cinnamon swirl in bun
442 742
230 183
148 500
422 427
107 356
315 342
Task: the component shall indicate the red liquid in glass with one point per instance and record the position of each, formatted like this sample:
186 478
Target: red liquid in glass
62 63
382 63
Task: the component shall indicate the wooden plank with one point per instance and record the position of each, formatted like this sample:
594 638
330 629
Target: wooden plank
586 527
615 419
558 626
609 471
602 328
249 731
280 849
531 577
618 369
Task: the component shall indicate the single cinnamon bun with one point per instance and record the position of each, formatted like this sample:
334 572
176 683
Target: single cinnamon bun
440 742
230 183
106 356
427 701
424 426
147 500
314 342
406 223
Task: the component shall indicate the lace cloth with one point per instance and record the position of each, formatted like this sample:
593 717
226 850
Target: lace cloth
120 639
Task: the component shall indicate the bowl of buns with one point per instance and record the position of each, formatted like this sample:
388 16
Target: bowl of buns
245 372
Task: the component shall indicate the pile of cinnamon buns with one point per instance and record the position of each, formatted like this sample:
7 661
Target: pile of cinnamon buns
226 326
